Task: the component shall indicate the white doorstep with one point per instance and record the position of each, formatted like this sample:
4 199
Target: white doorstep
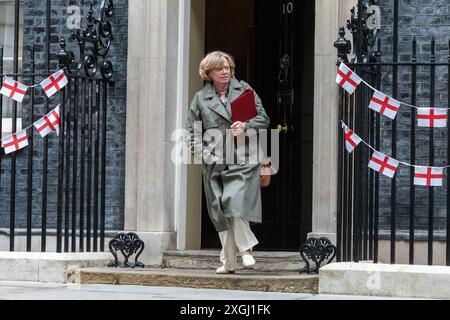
391 280
47 266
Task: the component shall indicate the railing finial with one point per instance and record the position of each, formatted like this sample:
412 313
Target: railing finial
343 46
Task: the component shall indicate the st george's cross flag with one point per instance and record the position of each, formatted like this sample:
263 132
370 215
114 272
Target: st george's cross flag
383 164
432 117
14 90
48 123
351 139
347 79
384 104
15 141
54 83
428 176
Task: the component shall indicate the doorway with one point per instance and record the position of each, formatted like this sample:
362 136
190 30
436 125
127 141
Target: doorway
272 43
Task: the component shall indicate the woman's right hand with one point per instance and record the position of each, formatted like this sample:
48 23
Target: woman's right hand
238 128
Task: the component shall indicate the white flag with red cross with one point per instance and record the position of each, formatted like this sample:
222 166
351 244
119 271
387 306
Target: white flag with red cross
384 104
15 141
432 117
351 139
13 90
54 83
428 176
347 79
48 123
383 164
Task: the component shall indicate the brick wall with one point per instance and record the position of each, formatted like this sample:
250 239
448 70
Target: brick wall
34 34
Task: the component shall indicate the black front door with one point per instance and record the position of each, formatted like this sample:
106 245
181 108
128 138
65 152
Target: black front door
278 61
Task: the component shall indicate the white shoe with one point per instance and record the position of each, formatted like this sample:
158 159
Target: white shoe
222 270
248 260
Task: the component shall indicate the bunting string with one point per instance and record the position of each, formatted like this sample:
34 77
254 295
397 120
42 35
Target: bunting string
403 103
33 86
37 84
50 122
426 117
402 162
25 129
386 165
34 124
51 85
344 66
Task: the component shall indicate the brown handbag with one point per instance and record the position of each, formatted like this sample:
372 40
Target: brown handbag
265 178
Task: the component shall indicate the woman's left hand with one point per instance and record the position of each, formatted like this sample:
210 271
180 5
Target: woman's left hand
238 128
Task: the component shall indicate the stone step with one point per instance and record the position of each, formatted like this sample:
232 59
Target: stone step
247 280
209 260
47 266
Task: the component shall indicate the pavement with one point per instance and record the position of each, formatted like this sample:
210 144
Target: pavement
49 291
123 301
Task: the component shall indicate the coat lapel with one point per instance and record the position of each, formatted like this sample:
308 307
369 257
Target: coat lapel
235 91
214 103
218 107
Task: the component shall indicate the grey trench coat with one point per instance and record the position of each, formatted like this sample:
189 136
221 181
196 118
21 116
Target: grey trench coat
231 190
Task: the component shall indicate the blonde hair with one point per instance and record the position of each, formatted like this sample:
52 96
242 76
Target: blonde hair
214 60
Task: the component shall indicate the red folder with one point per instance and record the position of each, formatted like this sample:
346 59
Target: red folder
243 108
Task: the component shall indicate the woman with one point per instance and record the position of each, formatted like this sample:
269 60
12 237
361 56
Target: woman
232 190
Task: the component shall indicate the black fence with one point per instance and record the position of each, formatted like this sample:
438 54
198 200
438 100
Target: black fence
78 154
362 192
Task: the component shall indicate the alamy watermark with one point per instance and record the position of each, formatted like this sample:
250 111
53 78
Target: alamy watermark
218 146
374 280
74 18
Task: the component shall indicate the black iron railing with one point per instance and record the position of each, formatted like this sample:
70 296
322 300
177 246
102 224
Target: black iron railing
78 178
364 217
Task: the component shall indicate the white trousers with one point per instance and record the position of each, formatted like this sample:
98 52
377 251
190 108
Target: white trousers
238 238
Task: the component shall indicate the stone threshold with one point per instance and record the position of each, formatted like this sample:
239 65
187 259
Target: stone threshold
248 280
215 253
209 260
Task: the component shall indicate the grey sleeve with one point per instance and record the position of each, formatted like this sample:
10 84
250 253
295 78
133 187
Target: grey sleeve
194 128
